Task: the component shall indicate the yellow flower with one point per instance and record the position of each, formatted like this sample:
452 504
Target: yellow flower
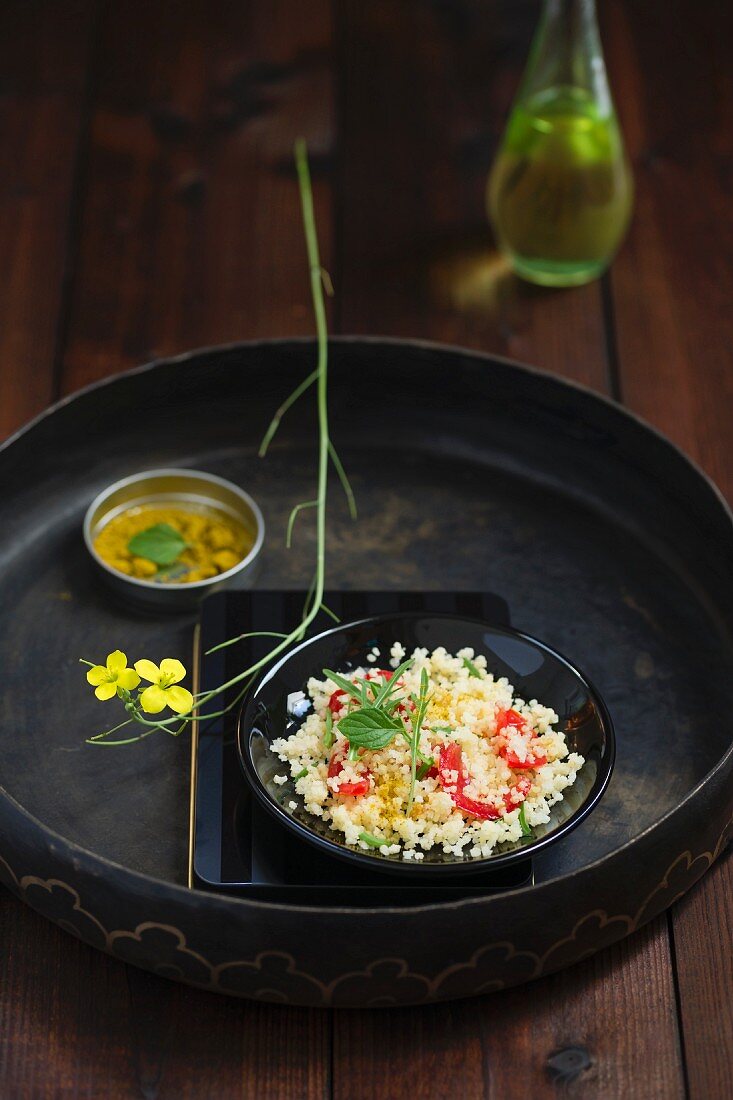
106 679
163 693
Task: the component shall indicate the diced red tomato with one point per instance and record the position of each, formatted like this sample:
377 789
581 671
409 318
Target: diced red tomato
337 701
484 810
533 760
516 796
510 717
336 764
451 762
379 673
357 787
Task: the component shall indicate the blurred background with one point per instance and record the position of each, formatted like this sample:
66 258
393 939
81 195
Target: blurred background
149 202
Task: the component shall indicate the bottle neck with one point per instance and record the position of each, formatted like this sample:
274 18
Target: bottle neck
566 51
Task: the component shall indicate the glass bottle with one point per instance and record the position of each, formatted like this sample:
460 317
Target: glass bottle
560 189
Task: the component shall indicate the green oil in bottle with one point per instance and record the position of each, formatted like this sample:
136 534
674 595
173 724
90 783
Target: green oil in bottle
560 189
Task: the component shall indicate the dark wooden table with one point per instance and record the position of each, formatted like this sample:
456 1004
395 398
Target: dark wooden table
149 206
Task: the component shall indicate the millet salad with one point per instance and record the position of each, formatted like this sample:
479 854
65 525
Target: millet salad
430 751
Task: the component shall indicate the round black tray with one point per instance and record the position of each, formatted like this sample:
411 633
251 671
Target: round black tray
471 473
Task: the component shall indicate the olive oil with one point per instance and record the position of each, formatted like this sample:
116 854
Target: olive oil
560 190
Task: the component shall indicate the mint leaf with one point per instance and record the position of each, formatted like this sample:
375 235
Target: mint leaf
369 728
161 544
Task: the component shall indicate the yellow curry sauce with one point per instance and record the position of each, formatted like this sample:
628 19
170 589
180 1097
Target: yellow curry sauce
215 542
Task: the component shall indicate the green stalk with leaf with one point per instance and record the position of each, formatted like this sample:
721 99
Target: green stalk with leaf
115 679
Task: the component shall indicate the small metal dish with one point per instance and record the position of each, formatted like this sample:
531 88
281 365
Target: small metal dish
536 672
173 486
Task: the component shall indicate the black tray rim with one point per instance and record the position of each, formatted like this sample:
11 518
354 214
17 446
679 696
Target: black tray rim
418 870
374 341
377 341
272 951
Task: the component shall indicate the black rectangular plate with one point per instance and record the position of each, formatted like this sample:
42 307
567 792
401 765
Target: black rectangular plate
236 847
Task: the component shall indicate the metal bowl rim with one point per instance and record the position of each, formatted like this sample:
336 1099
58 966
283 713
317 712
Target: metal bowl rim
168 471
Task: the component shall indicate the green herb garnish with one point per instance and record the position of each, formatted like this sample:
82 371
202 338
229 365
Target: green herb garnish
301 774
161 544
472 670
443 729
421 706
369 728
372 841
345 685
373 725
328 735
388 689
425 768
526 831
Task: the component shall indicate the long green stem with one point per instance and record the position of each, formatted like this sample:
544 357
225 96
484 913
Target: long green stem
345 483
319 310
314 603
294 515
241 638
287 404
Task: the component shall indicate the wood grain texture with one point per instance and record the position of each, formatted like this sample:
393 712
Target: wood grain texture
64 1013
673 280
702 923
424 93
566 1035
672 288
44 64
428 85
178 225
74 1023
191 230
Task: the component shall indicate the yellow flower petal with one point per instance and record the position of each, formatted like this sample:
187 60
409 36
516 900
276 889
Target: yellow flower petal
128 679
179 699
116 661
106 691
98 675
148 671
172 670
153 700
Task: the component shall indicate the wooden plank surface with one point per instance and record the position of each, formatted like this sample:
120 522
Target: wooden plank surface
74 1023
703 934
149 206
424 90
44 75
421 199
672 289
190 232
567 1035
673 281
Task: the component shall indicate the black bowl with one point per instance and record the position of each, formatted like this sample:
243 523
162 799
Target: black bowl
535 671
